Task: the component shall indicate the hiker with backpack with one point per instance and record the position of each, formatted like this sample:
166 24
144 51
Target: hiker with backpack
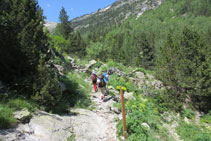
102 86
94 81
105 77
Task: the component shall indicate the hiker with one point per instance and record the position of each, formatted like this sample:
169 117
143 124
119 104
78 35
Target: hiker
102 86
105 77
94 81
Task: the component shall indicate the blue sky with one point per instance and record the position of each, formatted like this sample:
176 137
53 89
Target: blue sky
74 8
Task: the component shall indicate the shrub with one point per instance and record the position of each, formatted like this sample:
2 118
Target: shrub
192 132
141 111
7 119
206 118
188 113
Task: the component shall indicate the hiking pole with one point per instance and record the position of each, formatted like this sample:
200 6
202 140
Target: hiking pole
123 114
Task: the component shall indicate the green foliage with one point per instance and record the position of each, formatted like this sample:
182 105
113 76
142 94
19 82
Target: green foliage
183 65
188 113
117 81
71 138
206 118
141 111
192 132
19 104
7 119
65 27
95 50
47 87
59 43
76 93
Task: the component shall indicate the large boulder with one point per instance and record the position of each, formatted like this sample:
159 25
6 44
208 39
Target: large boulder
91 63
140 75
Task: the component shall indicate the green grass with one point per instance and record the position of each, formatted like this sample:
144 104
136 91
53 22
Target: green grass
7 119
18 104
190 132
206 118
76 93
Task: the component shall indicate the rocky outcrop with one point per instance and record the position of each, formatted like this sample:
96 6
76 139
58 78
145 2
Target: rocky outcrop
115 70
42 127
23 115
79 68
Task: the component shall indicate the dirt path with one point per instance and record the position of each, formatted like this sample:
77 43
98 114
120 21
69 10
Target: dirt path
98 124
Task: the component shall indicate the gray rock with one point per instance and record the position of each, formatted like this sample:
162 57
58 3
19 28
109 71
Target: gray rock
140 75
91 63
22 115
186 120
149 76
92 126
42 127
146 126
59 68
129 96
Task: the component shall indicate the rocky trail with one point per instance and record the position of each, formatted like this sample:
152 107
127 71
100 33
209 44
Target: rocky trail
96 125
84 125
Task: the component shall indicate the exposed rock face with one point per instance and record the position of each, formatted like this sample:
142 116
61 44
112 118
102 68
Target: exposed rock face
50 25
22 115
115 70
116 13
42 127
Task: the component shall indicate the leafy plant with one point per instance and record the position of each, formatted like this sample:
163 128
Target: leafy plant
192 132
7 119
188 113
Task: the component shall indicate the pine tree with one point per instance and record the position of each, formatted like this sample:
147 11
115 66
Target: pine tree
147 57
24 52
65 27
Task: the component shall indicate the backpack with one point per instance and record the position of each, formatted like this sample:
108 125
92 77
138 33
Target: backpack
105 76
102 83
94 77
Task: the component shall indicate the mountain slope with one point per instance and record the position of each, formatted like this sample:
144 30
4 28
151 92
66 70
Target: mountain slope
114 14
50 25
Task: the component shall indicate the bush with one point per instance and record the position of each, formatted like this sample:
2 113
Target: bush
141 111
7 119
117 81
188 113
206 118
75 95
192 132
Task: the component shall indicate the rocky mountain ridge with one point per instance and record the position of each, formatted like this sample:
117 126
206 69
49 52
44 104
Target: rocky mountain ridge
114 14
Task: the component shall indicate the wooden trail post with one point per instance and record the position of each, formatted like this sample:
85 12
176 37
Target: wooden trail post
123 114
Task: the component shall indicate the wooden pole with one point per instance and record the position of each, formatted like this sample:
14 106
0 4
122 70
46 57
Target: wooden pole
123 114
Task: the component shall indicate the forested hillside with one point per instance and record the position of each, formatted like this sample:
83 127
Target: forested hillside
172 39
